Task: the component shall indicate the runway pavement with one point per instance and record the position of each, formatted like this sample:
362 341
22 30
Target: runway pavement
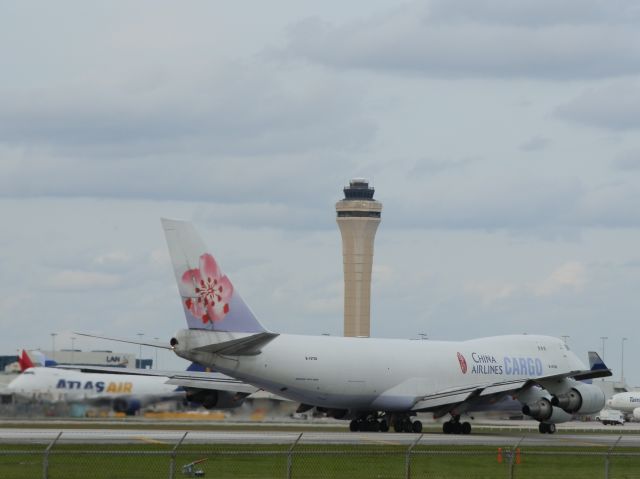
220 437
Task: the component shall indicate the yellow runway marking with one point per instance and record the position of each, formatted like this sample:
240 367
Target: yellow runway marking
582 443
148 440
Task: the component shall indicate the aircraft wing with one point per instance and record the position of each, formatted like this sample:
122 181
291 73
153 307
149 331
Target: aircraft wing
218 382
454 397
465 397
187 379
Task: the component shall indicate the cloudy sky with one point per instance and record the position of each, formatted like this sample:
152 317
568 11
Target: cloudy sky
501 137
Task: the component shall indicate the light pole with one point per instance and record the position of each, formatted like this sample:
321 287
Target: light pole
604 338
156 360
140 357
622 361
53 345
73 349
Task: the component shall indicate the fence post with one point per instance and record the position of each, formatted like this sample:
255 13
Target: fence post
606 459
512 457
407 459
172 463
290 455
45 459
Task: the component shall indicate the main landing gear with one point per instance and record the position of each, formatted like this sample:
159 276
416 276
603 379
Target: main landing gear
369 423
545 428
404 424
454 426
372 423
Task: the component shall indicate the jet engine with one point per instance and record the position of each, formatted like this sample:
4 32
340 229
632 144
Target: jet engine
129 406
542 410
214 399
580 399
636 414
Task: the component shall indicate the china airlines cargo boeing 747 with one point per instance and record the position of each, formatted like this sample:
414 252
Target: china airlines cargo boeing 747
376 383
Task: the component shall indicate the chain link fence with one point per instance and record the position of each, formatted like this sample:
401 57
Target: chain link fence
297 458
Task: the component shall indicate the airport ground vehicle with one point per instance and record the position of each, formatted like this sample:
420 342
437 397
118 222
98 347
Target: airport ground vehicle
611 417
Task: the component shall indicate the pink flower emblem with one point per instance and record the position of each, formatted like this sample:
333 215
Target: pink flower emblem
212 290
463 363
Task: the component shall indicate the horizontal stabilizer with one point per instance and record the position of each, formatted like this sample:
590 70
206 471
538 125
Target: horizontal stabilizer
591 374
128 341
245 346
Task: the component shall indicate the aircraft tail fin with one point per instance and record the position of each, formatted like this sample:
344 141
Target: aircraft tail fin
595 362
208 297
24 361
40 359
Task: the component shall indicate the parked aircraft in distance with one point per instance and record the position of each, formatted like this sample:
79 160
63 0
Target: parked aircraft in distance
124 392
376 383
628 403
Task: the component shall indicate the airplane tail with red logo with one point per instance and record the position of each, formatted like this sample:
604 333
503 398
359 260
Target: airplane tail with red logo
208 297
25 361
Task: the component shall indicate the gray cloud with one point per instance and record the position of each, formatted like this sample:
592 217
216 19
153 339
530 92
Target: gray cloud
280 179
236 136
534 13
537 143
480 39
544 207
432 166
627 161
237 111
615 107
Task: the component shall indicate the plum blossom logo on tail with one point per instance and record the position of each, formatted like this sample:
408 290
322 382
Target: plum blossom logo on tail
212 290
463 363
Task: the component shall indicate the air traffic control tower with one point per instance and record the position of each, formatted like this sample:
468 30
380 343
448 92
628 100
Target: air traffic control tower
358 219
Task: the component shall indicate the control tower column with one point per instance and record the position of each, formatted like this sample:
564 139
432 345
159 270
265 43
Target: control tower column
358 217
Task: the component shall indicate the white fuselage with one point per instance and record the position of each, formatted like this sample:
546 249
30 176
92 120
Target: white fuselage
625 402
66 385
381 374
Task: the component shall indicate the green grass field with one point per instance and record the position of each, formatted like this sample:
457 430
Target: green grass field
99 461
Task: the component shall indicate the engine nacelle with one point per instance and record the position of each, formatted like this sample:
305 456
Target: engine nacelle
580 399
636 414
129 406
543 411
540 410
214 399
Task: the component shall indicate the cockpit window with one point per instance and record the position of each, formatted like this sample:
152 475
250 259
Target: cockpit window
28 372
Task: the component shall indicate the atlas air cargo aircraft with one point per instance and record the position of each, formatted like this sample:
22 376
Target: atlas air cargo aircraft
114 387
375 383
